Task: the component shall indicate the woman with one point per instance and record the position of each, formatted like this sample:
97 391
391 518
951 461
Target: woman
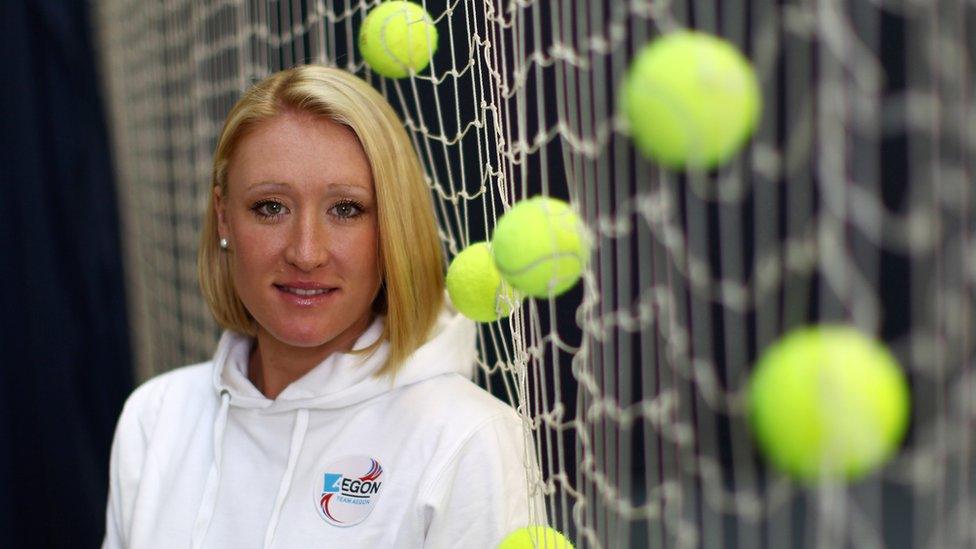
337 411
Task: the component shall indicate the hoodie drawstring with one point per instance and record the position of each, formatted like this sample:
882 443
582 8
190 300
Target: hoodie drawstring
209 500
297 439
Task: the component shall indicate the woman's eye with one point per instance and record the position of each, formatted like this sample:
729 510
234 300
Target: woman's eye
347 209
269 208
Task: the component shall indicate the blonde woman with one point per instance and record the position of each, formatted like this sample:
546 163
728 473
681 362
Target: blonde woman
337 410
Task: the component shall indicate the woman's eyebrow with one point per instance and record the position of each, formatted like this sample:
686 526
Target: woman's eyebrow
348 187
271 184
332 187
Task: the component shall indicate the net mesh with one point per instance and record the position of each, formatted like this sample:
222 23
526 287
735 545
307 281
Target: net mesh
853 203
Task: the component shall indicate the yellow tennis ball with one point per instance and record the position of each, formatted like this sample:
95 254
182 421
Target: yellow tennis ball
540 247
828 402
691 99
535 537
476 287
397 38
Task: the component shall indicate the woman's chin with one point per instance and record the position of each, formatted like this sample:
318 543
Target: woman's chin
301 336
310 332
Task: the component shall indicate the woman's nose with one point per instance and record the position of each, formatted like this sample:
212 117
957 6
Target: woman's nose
308 247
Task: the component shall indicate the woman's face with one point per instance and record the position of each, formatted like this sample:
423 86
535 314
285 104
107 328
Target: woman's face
299 213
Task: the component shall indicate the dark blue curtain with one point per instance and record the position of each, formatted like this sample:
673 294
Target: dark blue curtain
65 365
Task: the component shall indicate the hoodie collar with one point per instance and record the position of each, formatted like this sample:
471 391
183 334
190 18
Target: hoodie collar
344 379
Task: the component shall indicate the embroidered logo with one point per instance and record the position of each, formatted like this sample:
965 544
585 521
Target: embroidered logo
348 490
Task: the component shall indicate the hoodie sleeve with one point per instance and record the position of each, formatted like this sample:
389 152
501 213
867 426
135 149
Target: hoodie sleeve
482 493
125 465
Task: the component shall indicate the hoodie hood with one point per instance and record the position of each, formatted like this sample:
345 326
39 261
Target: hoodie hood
344 379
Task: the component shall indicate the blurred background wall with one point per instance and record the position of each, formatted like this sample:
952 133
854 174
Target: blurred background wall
65 365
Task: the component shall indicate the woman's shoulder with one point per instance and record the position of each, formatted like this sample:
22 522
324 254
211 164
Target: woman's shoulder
179 386
187 379
454 401
473 443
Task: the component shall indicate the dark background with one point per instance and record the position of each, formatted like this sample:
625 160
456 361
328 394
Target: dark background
65 363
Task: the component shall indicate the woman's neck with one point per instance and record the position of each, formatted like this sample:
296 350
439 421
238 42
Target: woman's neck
274 365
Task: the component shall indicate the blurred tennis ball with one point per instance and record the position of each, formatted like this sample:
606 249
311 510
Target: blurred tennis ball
828 402
476 287
540 247
397 38
691 99
535 537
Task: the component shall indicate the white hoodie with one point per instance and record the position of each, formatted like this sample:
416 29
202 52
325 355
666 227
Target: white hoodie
340 459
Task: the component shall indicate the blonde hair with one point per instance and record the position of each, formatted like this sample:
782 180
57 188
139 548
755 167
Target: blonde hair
411 264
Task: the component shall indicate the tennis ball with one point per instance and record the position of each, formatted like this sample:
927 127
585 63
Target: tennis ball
540 247
828 402
475 286
396 38
531 537
691 99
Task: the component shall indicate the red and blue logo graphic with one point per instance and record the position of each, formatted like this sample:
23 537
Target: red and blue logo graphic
349 490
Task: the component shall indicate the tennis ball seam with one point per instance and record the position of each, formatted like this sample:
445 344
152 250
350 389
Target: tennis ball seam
551 219
398 20
653 87
540 246
709 125
696 133
407 68
516 271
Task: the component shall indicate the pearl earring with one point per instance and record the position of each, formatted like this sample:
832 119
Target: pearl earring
224 244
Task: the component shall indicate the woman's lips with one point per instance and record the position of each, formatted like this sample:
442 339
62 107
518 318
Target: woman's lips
305 297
